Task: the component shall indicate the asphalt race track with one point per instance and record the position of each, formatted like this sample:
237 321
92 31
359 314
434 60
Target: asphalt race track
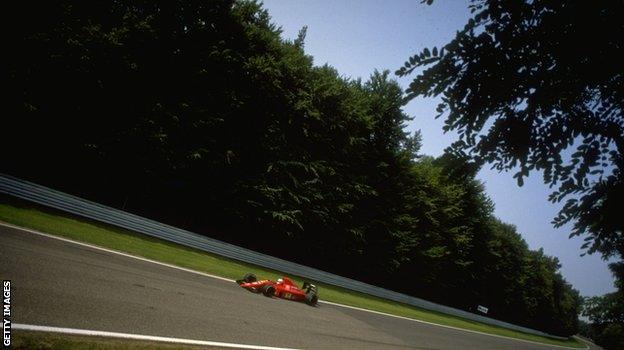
60 284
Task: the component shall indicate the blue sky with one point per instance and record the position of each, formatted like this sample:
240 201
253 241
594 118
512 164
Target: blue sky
357 37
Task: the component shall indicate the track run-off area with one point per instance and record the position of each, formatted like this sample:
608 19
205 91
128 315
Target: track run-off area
59 284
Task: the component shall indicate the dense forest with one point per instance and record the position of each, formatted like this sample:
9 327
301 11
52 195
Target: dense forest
201 115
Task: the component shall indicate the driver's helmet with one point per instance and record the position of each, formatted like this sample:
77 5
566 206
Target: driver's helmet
280 281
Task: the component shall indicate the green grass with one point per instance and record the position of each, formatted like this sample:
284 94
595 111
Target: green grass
27 340
49 221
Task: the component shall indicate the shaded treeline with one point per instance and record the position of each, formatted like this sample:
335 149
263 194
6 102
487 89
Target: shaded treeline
198 114
605 314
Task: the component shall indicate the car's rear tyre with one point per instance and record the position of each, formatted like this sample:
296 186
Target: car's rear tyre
311 298
268 290
250 277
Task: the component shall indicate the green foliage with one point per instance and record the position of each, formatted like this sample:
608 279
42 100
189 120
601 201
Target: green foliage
524 83
200 115
606 318
539 86
604 309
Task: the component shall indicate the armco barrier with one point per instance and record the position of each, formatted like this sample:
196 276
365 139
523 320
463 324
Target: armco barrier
82 207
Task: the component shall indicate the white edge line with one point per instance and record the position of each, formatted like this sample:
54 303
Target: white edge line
231 280
445 326
73 331
114 252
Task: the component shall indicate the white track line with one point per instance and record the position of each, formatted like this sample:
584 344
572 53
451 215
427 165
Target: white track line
231 280
2 223
73 331
444 326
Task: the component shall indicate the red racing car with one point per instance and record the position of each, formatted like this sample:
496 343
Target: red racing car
283 288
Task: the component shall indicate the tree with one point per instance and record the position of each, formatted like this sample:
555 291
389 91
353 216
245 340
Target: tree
526 82
606 319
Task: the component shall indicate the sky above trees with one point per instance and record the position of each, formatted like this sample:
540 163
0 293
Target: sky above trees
357 37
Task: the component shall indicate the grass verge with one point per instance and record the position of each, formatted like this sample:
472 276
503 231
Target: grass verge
50 221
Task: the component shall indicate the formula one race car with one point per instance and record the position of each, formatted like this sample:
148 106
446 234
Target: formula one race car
283 288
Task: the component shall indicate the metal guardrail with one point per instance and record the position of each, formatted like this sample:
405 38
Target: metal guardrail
82 207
